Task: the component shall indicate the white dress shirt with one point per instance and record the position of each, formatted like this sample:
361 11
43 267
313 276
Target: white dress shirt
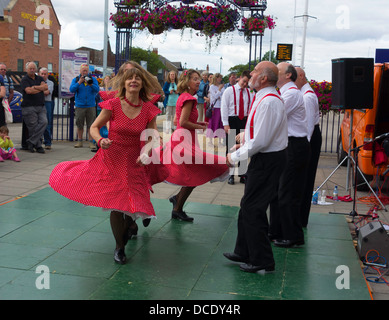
227 107
215 95
270 127
311 103
295 110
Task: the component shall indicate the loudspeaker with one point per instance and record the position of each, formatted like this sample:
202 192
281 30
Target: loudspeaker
352 83
373 236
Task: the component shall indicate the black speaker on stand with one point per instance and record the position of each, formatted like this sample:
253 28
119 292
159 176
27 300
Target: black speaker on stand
352 83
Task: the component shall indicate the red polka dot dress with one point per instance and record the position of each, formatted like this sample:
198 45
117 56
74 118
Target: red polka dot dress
186 162
112 179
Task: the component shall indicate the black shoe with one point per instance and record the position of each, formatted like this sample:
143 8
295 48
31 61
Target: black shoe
247 267
231 180
40 150
173 200
272 237
243 179
234 257
289 243
30 147
146 222
181 215
119 256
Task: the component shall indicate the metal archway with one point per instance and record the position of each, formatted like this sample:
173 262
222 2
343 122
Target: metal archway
124 35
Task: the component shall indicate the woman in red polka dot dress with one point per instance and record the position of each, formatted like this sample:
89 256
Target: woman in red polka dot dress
116 178
187 164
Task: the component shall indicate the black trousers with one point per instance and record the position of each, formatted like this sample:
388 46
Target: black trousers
285 210
261 188
315 144
237 126
2 114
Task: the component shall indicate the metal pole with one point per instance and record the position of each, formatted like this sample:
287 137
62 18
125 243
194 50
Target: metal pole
305 18
105 53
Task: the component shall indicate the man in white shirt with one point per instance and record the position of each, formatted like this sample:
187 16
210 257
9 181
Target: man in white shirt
315 139
265 140
285 211
235 104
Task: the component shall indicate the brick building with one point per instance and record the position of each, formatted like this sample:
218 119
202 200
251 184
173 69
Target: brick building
29 31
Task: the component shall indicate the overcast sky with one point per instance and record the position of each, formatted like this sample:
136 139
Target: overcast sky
336 29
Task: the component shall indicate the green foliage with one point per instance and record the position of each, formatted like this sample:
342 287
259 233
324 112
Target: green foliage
153 62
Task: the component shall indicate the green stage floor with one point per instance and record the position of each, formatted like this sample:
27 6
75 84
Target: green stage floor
169 260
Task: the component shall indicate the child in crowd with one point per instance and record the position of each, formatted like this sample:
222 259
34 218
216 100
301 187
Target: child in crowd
7 150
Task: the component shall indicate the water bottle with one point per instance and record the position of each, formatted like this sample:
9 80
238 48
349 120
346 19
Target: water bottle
323 196
315 197
335 194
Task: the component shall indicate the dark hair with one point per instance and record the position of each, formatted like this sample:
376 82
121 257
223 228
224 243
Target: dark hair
246 73
4 129
291 69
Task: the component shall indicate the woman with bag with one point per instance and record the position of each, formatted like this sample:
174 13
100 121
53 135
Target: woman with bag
215 125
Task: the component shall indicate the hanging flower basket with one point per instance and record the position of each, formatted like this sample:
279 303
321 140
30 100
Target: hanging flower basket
123 19
153 21
132 3
174 17
257 25
218 20
193 17
246 3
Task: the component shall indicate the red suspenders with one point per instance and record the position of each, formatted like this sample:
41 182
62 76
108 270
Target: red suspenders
252 118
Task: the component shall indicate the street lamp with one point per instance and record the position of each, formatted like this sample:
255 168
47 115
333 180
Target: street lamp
221 60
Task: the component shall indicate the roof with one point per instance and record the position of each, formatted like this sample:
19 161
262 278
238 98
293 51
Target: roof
3 5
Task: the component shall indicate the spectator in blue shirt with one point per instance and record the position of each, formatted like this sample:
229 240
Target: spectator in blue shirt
200 96
85 88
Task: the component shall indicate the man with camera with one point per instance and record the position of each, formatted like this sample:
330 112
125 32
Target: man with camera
85 88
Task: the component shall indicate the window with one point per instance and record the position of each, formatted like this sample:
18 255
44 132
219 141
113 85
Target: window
50 67
36 36
20 64
50 40
21 33
37 64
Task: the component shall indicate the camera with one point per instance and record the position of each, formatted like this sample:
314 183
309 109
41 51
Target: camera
88 79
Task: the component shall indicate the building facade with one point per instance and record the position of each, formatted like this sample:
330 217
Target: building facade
29 31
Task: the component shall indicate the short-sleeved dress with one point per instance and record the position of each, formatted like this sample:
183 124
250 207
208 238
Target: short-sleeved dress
186 162
112 179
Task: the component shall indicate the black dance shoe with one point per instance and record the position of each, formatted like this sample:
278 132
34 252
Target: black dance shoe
247 267
173 201
146 222
289 243
231 180
243 179
181 215
234 257
119 256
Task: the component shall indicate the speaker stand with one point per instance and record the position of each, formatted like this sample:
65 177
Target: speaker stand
354 213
